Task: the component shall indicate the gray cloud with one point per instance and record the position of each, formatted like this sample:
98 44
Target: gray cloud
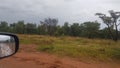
64 10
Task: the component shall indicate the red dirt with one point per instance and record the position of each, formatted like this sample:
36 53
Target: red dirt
33 59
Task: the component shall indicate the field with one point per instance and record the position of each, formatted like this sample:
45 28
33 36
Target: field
37 51
82 49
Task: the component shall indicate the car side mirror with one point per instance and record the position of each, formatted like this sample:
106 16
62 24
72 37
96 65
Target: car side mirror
9 45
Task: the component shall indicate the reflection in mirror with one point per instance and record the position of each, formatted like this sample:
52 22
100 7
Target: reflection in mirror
7 45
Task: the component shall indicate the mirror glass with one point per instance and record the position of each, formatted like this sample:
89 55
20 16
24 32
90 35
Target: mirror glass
7 45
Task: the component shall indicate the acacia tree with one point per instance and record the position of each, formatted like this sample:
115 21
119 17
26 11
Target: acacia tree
112 23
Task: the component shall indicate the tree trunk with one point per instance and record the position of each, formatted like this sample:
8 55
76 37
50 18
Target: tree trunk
112 36
116 33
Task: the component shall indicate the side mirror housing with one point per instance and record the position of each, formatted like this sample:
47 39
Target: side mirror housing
9 45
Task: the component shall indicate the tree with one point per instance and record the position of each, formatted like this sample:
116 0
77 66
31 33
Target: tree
66 28
59 31
4 26
90 29
50 25
75 29
20 27
111 22
42 29
30 28
12 28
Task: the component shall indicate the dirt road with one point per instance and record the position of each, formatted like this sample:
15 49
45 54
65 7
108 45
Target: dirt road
27 58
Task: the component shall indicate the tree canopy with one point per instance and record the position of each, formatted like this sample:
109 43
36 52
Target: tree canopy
49 26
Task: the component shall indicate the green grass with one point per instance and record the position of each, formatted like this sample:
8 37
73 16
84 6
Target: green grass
75 47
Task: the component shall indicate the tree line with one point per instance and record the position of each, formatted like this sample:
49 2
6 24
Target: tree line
50 27
87 29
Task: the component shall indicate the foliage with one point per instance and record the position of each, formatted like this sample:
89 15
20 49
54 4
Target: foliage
90 29
49 27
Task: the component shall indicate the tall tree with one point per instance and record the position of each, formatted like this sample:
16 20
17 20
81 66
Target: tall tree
30 28
4 26
42 28
66 28
111 22
59 31
50 25
90 29
20 27
75 29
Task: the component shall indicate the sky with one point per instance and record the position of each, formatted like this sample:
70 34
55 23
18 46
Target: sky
72 11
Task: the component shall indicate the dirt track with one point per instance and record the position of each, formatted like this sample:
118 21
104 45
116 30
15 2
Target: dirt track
29 58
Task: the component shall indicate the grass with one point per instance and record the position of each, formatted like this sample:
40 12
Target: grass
75 47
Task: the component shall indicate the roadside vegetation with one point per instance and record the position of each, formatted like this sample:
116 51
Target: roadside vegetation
75 47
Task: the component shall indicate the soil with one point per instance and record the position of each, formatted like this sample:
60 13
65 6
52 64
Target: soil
28 57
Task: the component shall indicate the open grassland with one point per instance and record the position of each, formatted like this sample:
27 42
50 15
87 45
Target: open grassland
75 47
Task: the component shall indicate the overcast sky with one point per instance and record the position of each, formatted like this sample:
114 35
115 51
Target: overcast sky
65 10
